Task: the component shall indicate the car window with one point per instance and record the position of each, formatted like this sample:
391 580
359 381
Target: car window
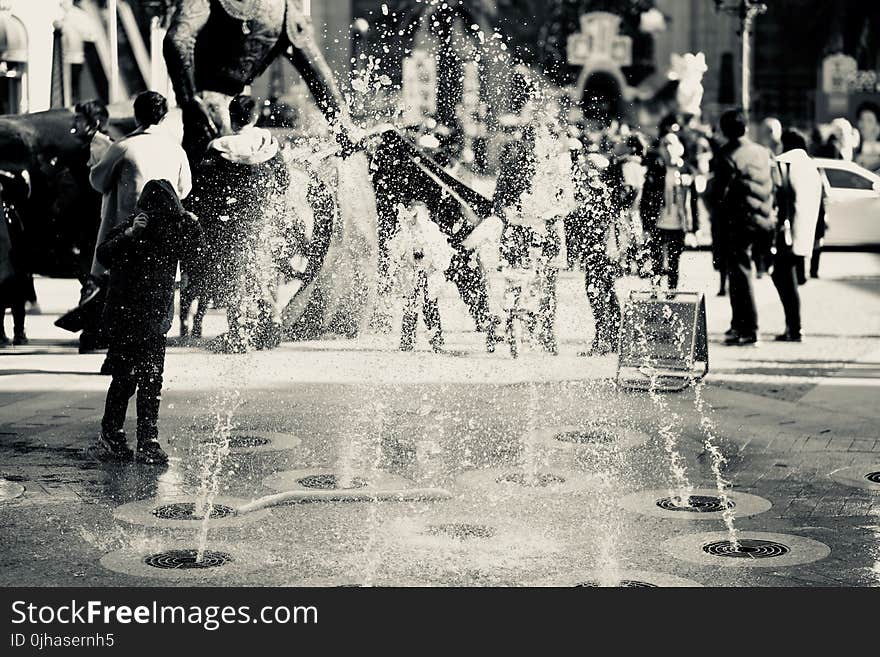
842 179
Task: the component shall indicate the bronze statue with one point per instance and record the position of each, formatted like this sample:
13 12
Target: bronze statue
214 48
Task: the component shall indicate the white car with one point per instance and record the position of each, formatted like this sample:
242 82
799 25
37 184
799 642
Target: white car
852 203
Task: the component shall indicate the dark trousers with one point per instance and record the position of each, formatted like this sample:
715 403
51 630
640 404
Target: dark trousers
18 314
136 367
814 262
599 283
666 249
430 313
547 310
744 314
785 279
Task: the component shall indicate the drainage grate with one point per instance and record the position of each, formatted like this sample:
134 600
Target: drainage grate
624 583
873 477
461 531
187 511
749 548
186 560
696 504
330 482
585 437
540 480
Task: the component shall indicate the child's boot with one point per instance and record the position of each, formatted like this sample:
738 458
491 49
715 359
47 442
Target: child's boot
112 446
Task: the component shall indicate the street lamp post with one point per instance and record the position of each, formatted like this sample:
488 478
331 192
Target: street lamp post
746 11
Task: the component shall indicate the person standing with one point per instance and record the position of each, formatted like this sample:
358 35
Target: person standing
89 127
591 223
142 255
148 153
419 254
868 154
241 187
799 197
742 198
16 280
770 137
668 208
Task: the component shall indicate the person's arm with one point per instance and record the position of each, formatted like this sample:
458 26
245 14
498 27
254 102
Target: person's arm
316 73
119 241
102 177
184 179
190 17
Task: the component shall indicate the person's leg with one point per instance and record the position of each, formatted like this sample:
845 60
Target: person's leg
599 285
431 315
148 373
655 250
814 262
548 311
3 339
112 441
785 279
674 249
410 320
19 337
742 302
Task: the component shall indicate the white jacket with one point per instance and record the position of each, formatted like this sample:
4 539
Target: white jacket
807 185
124 169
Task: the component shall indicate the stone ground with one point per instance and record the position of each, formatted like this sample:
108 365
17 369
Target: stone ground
784 416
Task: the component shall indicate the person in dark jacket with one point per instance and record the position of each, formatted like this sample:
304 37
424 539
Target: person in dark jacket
16 280
742 198
668 208
590 225
142 256
240 191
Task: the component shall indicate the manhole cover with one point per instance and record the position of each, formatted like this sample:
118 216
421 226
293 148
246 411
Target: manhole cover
330 482
461 531
696 504
187 560
243 442
585 437
539 480
747 548
873 477
187 511
624 583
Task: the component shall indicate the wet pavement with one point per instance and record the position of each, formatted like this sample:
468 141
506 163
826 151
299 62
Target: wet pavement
549 473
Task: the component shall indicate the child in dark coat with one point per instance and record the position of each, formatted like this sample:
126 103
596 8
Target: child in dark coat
142 256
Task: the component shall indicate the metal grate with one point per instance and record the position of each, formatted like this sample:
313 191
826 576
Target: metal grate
748 548
696 504
539 480
187 511
624 583
241 442
461 531
585 437
329 482
186 560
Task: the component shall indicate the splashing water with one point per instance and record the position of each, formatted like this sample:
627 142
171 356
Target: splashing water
668 426
718 461
216 450
376 419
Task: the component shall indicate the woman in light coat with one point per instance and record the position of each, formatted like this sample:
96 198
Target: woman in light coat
799 201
